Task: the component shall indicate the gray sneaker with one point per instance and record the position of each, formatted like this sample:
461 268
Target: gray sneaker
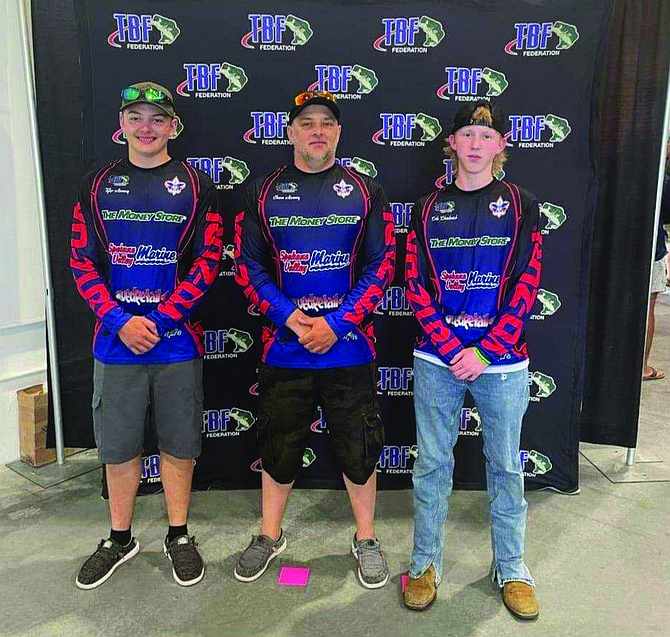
105 560
257 557
372 570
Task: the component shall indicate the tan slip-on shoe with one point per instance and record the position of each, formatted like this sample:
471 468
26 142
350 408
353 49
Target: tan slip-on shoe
519 598
421 592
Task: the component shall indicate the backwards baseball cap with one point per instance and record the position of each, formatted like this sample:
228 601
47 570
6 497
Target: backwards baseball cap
148 93
470 115
311 98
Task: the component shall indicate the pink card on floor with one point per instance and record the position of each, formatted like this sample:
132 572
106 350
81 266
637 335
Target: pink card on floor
293 576
403 582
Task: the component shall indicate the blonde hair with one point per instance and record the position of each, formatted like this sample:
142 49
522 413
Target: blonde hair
482 114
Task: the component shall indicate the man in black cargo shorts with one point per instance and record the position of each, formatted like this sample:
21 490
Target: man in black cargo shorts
315 251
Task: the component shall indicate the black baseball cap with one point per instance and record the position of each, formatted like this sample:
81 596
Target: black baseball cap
312 98
465 117
148 93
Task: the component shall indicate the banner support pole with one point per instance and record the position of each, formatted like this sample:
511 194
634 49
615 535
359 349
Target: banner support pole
54 388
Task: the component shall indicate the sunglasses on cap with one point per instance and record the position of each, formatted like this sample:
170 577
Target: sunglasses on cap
150 94
310 95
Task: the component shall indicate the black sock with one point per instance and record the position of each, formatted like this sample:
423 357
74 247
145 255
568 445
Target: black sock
176 531
122 537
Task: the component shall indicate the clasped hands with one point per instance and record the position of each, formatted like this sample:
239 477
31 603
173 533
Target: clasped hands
313 333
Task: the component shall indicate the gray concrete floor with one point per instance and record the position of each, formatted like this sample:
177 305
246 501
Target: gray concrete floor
600 559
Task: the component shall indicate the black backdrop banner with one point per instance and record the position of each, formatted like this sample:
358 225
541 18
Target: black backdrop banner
400 70
630 133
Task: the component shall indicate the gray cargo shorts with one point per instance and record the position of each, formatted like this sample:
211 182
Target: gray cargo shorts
121 395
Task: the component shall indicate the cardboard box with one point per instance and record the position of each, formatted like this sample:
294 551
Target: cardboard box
33 405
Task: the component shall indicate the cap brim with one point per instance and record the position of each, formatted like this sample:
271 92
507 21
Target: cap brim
168 110
315 101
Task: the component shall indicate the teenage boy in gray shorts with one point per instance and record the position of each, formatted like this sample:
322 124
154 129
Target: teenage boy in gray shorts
146 245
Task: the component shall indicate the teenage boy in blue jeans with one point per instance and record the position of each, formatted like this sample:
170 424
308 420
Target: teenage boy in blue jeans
472 271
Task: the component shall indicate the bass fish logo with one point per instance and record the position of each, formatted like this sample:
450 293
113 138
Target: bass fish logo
119 137
214 167
533 39
549 302
541 463
546 385
399 128
269 32
401 34
529 131
555 216
360 165
340 80
466 84
137 31
206 80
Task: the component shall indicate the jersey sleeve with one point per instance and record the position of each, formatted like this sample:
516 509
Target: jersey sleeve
252 259
378 269
206 250
427 310
87 254
523 280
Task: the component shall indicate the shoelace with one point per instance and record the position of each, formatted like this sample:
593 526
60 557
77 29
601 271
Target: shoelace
185 554
259 547
371 554
102 557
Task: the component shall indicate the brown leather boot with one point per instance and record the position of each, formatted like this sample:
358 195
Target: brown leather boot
420 593
520 600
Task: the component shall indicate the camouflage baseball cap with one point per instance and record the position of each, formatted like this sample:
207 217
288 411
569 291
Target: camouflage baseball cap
148 93
465 116
311 98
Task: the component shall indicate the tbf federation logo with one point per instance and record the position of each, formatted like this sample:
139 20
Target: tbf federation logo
151 469
228 343
204 80
140 31
398 129
397 459
466 84
269 128
237 170
534 39
270 32
220 423
530 131
401 34
340 80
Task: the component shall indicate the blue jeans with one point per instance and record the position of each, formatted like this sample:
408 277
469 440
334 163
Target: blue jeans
502 400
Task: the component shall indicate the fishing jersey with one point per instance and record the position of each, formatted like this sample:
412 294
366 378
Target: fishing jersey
321 242
146 242
473 268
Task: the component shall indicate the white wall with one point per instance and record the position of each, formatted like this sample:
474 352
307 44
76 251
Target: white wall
22 325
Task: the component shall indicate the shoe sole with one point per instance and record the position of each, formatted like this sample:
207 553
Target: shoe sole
519 615
359 575
174 573
102 580
420 608
278 551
